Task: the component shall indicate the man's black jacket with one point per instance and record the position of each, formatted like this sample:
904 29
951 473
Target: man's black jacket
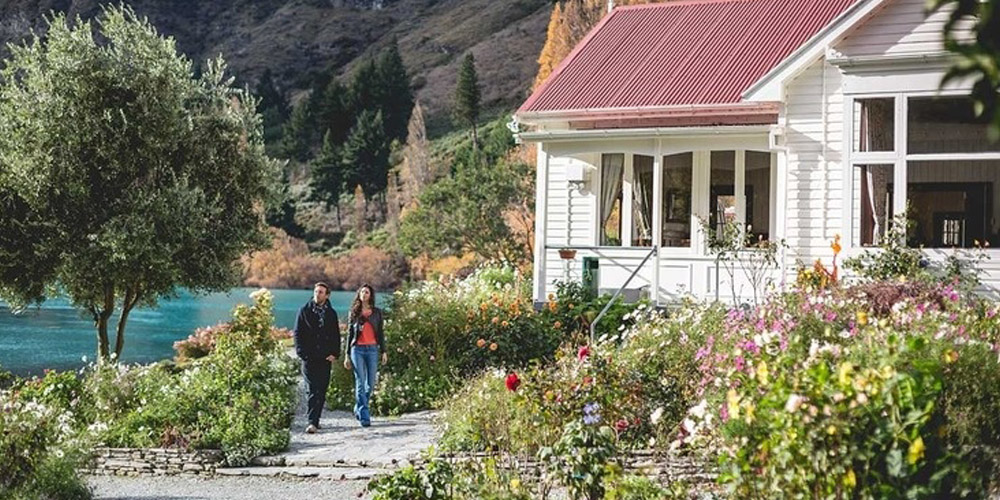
312 342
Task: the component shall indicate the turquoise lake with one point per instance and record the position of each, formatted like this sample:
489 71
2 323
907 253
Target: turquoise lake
57 336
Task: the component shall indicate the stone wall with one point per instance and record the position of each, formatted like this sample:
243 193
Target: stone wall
154 462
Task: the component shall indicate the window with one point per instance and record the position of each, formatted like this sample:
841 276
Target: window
612 169
945 125
722 199
951 203
642 201
677 177
872 208
944 175
874 125
758 193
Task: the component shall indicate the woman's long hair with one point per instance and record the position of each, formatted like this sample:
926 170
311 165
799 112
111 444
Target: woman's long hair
356 303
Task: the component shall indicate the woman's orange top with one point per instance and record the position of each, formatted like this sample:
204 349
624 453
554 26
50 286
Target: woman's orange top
367 331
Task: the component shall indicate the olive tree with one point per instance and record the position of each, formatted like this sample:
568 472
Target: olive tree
123 176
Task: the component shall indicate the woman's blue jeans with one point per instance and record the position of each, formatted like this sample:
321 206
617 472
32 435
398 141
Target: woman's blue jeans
364 358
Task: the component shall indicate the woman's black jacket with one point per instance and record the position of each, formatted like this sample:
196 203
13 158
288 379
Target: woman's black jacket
355 325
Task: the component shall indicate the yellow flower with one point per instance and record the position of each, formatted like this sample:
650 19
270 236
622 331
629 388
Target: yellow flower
862 318
831 430
950 356
850 480
733 403
749 413
844 374
570 306
762 373
515 483
916 451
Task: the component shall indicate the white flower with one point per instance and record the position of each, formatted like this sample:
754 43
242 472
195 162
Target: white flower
699 409
794 402
655 417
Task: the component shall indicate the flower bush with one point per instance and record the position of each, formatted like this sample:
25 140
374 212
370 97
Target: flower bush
37 455
201 343
440 333
239 397
853 392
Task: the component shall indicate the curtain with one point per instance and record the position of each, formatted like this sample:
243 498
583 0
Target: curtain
612 167
642 201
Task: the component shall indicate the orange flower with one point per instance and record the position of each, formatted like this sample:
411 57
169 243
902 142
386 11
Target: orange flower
557 324
552 306
505 323
480 343
495 320
484 306
493 346
571 306
552 297
835 245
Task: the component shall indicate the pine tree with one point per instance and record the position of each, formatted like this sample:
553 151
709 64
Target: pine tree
296 134
467 97
327 181
365 155
333 112
394 92
364 93
273 109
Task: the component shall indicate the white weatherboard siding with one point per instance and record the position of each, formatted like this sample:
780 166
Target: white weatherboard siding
813 118
570 215
900 28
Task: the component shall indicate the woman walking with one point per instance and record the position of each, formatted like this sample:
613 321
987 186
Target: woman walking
365 345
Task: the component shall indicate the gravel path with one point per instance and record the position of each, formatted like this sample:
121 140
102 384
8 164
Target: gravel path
223 488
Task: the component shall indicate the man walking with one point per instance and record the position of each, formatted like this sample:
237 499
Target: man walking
317 344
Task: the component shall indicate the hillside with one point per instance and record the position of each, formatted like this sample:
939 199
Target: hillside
298 38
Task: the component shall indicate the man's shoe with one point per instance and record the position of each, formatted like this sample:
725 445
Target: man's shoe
318 426
311 429
366 424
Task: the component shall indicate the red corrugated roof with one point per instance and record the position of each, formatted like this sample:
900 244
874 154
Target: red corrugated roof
684 53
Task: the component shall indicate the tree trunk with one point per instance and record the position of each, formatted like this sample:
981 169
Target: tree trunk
131 298
101 317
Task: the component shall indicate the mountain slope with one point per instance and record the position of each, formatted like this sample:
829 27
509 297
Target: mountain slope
298 38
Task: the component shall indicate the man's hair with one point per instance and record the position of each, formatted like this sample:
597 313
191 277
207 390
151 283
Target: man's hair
322 284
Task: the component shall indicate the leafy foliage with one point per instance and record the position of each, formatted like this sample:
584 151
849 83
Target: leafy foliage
123 177
979 58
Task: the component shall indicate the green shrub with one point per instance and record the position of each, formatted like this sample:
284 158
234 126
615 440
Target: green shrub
584 456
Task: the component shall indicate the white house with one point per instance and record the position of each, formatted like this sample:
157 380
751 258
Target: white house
803 119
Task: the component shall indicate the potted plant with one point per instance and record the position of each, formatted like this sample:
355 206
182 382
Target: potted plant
567 253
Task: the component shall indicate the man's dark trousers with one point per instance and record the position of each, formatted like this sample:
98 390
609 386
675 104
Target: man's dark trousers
317 375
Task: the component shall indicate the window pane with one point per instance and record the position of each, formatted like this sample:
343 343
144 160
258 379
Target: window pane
612 168
642 201
872 203
873 125
722 193
951 203
945 125
758 193
677 170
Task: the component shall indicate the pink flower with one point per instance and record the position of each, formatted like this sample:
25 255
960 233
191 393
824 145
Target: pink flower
583 352
621 425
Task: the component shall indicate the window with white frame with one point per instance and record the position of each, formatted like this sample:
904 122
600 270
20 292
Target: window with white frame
678 172
943 172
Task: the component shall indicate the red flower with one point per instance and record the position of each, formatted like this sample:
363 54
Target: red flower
583 353
512 382
621 425
588 380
